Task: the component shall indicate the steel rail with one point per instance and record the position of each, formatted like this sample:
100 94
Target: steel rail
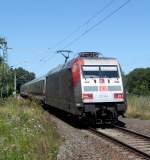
131 131
133 149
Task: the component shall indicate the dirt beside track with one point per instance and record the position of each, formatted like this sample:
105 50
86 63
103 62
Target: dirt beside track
140 126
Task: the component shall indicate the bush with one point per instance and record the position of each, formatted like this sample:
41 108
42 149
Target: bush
26 131
138 81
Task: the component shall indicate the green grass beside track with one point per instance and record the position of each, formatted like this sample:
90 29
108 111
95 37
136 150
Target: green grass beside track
138 107
26 131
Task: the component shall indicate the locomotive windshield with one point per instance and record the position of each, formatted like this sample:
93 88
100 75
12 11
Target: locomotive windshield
106 71
90 71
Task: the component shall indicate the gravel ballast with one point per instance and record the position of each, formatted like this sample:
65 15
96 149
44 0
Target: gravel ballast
140 126
79 144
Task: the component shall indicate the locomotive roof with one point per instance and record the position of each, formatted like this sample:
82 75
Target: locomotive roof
72 61
69 65
57 69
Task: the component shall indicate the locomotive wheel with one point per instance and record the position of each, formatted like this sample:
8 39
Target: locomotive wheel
114 117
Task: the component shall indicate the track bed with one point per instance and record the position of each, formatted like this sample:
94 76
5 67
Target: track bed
135 142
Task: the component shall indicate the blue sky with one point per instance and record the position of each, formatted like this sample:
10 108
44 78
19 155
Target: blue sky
31 27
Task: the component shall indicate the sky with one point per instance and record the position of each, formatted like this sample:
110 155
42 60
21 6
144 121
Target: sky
33 29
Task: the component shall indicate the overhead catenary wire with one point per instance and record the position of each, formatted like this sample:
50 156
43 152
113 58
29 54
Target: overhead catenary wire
98 23
88 30
77 29
86 22
94 26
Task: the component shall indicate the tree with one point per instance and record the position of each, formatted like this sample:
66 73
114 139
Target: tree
138 81
5 79
22 76
7 74
4 70
2 42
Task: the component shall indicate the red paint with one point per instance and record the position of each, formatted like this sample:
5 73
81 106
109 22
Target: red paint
118 95
76 69
103 88
87 96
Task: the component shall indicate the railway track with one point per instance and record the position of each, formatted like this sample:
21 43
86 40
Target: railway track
133 141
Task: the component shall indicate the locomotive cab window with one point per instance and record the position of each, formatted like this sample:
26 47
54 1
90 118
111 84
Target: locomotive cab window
90 71
109 72
104 71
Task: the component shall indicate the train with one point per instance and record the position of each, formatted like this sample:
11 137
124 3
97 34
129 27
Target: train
88 87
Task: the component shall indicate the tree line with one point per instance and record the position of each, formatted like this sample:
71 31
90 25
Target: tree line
8 74
138 81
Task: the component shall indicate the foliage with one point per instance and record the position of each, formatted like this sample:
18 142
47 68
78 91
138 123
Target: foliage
138 81
7 78
7 74
2 42
138 107
26 131
138 86
6 82
23 76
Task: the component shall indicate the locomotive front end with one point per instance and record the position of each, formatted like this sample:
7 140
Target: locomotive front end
103 95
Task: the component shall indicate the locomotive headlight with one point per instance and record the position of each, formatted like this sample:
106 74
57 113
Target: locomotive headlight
78 104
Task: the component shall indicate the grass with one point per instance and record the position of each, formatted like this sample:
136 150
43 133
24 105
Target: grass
138 107
26 131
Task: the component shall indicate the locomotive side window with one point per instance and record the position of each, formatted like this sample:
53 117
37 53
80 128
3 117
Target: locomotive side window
90 71
109 72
